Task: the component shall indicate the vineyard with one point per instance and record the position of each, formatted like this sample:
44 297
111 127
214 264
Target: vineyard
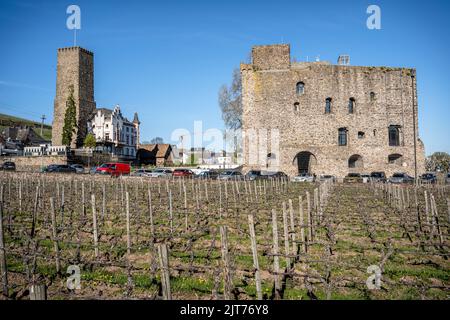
138 238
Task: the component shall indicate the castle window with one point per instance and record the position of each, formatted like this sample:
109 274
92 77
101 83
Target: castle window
373 96
355 161
300 88
361 135
351 105
328 105
342 137
395 159
296 107
394 136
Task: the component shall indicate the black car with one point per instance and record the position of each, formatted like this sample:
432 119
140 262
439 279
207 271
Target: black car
61 168
378 177
254 175
277 174
8 166
429 178
207 175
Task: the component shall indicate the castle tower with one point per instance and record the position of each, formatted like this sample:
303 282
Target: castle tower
75 68
136 123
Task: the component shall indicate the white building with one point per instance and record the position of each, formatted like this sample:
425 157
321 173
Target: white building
114 133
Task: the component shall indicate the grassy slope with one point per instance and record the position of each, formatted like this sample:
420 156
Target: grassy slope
7 121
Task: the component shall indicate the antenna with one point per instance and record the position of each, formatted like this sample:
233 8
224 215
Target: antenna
42 123
75 37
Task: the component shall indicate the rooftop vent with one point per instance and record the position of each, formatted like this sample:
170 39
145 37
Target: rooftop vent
344 60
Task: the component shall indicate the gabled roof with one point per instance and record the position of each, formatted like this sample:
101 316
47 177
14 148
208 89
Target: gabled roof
160 150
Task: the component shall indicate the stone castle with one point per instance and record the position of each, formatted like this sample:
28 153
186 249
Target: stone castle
329 119
75 69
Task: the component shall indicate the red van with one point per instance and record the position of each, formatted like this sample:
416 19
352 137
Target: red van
114 169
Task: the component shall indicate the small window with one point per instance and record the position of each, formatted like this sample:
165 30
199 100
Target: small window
342 137
328 105
373 96
395 159
351 105
361 135
374 132
296 107
300 88
394 136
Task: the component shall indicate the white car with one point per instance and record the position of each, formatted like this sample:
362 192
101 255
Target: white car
142 173
303 178
161 173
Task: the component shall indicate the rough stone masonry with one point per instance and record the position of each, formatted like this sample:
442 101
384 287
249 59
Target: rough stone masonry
75 68
331 119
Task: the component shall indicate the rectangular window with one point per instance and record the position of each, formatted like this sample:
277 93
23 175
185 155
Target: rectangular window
394 136
342 137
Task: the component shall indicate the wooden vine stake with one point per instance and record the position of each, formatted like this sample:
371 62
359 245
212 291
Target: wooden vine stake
3 264
276 258
251 225
165 274
55 236
226 263
94 226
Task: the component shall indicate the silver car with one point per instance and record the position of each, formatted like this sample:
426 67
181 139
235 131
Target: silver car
142 173
230 175
304 177
78 167
400 177
161 173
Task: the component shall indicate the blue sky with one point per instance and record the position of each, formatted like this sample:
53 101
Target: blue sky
167 59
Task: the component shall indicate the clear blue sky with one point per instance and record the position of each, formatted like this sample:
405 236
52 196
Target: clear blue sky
167 59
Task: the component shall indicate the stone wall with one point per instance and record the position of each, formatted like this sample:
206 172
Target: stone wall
75 67
271 102
34 164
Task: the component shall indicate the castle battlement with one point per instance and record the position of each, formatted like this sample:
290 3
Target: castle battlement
76 49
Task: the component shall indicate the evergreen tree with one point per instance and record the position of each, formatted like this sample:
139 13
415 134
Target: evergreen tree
70 119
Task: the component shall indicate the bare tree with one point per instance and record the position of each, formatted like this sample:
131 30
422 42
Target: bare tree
230 102
157 140
438 161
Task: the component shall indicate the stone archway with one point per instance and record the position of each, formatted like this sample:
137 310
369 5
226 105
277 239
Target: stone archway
356 162
305 161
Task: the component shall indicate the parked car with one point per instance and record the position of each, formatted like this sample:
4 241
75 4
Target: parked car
93 170
401 177
429 178
8 166
78 167
211 175
366 178
114 169
61 168
231 175
304 177
277 174
254 175
353 178
49 168
324 178
161 173
378 177
141 173
183 173
447 179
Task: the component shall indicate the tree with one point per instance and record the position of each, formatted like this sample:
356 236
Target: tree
438 161
89 141
230 102
157 140
70 119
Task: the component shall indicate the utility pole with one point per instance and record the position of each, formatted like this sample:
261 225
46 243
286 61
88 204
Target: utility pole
42 123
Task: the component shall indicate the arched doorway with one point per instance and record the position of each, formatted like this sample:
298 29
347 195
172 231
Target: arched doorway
355 162
305 161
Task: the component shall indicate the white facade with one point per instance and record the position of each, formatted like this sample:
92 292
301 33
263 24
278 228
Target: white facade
113 132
